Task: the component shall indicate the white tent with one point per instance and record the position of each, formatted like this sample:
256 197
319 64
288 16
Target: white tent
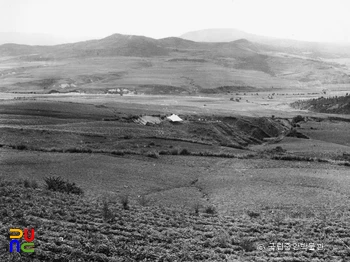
174 118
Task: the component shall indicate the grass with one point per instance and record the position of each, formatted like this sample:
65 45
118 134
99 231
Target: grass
164 233
152 230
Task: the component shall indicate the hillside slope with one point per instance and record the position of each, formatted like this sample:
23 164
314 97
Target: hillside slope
75 228
332 105
231 34
165 66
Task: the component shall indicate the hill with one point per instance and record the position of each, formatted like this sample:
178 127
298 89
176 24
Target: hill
217 35
114 45
230 34
333 105
164 66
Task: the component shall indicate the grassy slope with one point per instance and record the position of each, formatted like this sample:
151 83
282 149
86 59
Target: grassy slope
333 105
263 200
169 65
72 228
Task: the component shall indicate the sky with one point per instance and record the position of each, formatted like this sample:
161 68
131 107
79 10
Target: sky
309 20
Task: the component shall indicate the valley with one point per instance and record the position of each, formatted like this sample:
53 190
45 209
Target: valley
250 163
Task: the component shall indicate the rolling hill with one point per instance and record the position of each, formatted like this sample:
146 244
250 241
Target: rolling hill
164 66
114 45
229 34
333 105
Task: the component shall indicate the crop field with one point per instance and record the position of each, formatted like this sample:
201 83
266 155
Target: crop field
224 185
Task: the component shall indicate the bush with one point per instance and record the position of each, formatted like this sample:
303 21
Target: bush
223 239
30 184
247 245
117 153
210 210
185 152
196 208
59 185
124 200
164 152
54 183
73 189
174 151
295 133
152 154
34 184
20 147
107 214
297 119
26 183
144 200
253 214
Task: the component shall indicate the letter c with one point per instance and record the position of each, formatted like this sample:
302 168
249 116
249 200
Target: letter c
27 250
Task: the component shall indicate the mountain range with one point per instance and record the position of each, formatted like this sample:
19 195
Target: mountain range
171 65
230 34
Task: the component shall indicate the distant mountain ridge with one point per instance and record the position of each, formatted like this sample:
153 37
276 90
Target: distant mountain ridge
132 45
114 45
167 65
142 46
231 34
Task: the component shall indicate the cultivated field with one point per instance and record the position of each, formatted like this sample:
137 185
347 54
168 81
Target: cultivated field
223 185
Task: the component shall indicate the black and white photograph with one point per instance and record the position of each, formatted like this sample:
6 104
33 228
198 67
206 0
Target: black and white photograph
162 130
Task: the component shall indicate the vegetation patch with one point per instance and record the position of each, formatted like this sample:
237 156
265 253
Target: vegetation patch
335 105
58 184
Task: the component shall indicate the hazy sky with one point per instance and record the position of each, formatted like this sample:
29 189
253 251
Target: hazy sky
311 20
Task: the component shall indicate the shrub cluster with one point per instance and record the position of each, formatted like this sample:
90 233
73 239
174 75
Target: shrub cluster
30 184
298 119
58 184
152 154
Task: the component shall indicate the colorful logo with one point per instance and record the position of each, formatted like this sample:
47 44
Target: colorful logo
28 246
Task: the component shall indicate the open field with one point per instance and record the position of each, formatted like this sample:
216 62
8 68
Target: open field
222 160
70 228
242 171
